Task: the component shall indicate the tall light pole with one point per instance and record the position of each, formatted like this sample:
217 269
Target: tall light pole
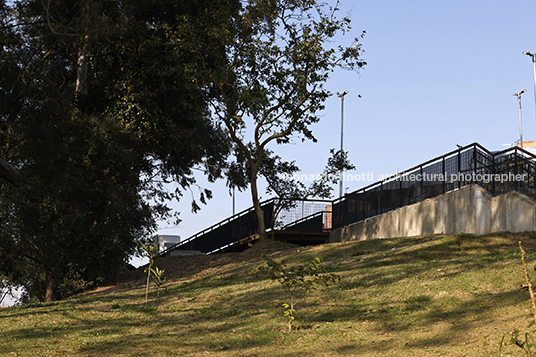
518 95
533 56
341 95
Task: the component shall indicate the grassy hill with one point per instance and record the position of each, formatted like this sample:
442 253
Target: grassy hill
426 296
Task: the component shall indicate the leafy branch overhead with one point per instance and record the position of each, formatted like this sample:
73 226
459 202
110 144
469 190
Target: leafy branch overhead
271 85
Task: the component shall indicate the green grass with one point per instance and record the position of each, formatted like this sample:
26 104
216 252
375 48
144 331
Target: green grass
425 296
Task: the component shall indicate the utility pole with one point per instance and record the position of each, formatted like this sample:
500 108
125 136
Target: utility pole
518 95
341 95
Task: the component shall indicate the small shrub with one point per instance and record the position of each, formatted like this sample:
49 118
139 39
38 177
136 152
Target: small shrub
297 281
423 255
151 270
462 236
525 341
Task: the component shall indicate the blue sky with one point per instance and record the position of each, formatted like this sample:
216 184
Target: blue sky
439 73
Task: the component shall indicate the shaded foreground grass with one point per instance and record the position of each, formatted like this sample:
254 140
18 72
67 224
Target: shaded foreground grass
425 296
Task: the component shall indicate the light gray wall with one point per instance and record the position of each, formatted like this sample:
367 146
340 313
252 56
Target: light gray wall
470 209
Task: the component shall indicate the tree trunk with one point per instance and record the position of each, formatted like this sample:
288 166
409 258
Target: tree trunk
257 205
51 292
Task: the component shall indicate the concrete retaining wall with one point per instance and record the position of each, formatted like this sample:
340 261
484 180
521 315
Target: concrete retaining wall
470 209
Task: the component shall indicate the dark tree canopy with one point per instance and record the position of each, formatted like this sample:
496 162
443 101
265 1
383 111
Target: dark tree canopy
97 113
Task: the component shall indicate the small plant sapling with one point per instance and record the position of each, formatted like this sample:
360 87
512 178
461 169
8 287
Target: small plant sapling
526 343
150 251
297 281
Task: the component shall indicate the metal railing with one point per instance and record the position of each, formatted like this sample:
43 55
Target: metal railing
466 165
244 224
289 212
316 222
227 231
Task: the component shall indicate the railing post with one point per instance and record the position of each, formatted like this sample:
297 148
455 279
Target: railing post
474 164
362 207
399 178
444 186
380 198
459 168
421 198
516 185
347 212
493 172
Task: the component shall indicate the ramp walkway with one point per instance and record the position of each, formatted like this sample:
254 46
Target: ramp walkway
513 169
311 221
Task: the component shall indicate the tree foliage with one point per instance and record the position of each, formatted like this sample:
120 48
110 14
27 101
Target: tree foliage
97 114
272 86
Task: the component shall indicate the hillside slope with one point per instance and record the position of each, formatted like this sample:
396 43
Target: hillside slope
425 296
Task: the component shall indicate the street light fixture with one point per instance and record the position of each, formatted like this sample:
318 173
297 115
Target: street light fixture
533 56
518 95
341 95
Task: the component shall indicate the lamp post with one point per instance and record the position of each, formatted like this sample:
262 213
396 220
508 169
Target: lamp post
518 95
533 56
341 95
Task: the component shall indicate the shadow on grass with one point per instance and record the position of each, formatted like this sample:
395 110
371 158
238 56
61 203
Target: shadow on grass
240 314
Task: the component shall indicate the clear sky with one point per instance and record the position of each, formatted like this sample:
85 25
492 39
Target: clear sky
439 73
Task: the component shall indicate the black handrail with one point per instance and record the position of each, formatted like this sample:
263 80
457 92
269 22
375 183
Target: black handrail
401 174
479 161
214 226
303 219
476 159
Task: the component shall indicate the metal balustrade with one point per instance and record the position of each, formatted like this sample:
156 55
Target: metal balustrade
496 172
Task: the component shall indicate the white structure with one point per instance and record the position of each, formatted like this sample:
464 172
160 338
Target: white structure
166 241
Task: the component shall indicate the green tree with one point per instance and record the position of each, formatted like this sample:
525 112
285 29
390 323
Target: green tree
96 115
272 84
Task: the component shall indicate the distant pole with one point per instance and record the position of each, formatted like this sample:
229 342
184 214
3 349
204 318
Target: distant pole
341 95
518 95
533 56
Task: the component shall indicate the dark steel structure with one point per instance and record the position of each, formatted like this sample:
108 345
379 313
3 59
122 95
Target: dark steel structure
497 172
226 232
